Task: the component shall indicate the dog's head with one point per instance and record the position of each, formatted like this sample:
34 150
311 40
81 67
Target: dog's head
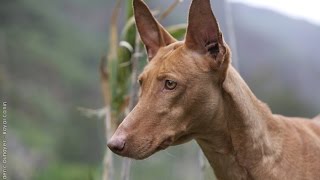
180 87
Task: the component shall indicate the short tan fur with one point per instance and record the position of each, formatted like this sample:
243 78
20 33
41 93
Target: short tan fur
190 90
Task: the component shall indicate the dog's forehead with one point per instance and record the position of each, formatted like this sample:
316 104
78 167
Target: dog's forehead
165 60
167 53
170 48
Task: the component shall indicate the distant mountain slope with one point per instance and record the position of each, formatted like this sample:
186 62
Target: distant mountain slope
279 56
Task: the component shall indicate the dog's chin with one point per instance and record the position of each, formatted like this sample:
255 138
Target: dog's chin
143 155
183 139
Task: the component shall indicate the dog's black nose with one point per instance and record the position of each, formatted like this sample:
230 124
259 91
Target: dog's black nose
116 145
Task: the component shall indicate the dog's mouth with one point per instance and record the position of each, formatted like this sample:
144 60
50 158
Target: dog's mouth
183 138
151 147
146 150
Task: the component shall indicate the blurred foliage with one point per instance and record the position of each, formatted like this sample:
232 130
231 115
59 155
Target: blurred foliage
49 58
122 48
68 171
119 73
51 67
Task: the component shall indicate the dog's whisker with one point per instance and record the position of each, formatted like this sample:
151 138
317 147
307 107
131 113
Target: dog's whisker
169 154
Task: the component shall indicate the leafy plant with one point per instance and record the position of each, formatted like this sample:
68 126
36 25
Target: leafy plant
119 70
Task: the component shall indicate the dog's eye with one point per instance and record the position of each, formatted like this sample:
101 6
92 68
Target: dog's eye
170 85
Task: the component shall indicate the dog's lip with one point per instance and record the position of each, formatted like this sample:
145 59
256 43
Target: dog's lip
152 150
126 152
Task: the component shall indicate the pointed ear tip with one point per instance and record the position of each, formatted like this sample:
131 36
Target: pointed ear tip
200 1
137 2
201 5
139 5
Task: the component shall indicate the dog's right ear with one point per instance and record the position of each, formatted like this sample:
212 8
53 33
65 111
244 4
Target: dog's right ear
152 34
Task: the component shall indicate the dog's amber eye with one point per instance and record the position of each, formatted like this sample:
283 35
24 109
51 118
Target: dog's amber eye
170 85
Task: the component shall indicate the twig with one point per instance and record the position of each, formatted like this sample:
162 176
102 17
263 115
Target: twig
110 120
231 34
126 166
135 73
108 157
170 9
90 113
114 32
108 171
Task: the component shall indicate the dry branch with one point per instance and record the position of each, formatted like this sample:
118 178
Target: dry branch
108 169
231 33
110 121
169 9
133 98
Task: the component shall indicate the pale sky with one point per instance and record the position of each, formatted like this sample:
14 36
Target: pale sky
302 9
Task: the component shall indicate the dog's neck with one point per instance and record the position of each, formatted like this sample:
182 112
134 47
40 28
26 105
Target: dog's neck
240 136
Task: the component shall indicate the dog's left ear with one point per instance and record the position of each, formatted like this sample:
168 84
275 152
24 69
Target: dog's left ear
152 33
203 33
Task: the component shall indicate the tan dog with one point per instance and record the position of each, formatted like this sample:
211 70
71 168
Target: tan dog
190 90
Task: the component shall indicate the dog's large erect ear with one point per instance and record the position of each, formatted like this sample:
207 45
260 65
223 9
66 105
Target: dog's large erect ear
203 33
152 34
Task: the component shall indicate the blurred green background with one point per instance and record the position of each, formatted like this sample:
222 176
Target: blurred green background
49 59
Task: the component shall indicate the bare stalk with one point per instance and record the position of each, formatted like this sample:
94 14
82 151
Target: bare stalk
126 166
108 169
170 9
110 121
231 33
